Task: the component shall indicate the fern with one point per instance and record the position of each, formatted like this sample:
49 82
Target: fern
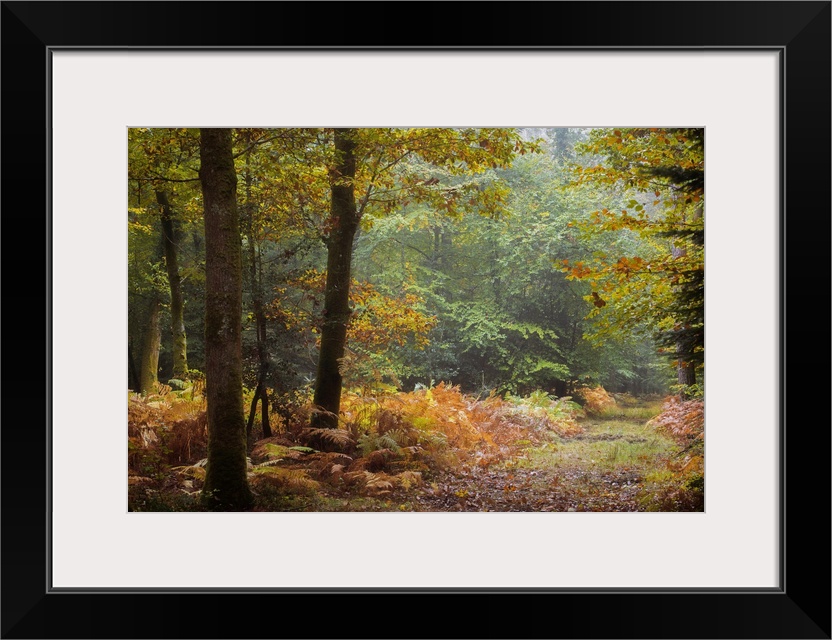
370 442
194 471
377 482
281 477
387 441
270 463
596 399
338 437
408 479
684 420
404 437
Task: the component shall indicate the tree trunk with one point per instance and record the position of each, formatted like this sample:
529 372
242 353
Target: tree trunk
151 343
685 371
255 273
226 485
133 380
170 241
344 220
252 411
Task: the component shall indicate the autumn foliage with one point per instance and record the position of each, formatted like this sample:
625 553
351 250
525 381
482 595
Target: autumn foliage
378 323
170 425
683 486
682 419
384 442
595 400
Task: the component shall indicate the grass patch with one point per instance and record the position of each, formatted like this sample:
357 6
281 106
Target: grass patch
607 445
602 455
636 413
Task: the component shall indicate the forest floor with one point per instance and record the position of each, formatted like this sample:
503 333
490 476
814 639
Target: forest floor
604 468
598 470
611 460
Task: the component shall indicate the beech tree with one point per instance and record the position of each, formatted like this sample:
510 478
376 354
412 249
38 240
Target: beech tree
345 218
151 342
373 172
226 484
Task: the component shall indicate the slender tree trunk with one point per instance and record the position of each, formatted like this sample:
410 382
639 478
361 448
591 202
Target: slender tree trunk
170 241
226 485
685 371
496 280
252 411
151 343
344 220
133 380
261 394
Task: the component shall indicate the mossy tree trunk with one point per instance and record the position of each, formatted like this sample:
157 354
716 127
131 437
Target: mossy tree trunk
151 343
344 220
226 485
170 242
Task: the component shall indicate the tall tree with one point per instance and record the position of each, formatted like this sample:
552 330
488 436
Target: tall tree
687 336
151 343
394 169
255 265
345 219
226 483
146 292
170 242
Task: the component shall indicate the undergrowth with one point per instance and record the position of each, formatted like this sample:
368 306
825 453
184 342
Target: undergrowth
594 399
392 447
680 485
385 443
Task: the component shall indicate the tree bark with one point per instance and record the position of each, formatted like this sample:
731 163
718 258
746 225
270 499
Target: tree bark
151 343
344 219
226 485
133 380
170 241
685 371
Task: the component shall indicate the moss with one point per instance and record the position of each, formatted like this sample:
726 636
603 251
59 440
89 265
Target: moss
226 482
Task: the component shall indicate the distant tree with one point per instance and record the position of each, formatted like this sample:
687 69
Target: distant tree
255 267
160 171
170 242
146 292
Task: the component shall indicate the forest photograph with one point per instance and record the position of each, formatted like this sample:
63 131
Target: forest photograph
416 319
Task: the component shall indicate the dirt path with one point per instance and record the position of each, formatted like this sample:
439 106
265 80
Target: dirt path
598 470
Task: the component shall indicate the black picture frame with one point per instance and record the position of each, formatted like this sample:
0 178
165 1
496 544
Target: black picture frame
799 608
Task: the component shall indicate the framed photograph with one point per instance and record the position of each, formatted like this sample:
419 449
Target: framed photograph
754 75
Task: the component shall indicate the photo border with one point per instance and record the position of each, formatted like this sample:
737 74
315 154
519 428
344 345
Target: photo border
799 30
